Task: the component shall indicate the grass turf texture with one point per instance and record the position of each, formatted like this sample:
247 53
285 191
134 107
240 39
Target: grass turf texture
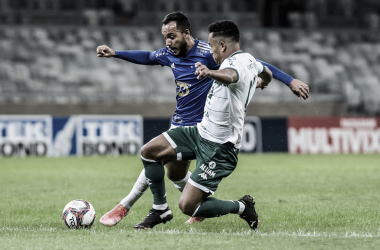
304 202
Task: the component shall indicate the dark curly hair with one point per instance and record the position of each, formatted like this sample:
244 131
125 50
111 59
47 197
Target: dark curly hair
226 28
180 18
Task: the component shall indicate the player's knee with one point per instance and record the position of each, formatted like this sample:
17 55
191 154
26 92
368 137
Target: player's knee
147 152
186 207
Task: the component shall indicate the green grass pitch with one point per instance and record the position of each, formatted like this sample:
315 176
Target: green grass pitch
304 202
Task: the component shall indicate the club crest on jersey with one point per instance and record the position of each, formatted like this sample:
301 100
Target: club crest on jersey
231 60
183 88
212 165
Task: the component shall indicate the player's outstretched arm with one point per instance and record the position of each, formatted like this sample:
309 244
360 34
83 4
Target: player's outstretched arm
278 74
105 51
266 77
299 88
133 56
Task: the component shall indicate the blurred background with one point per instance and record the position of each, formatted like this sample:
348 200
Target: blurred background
48 57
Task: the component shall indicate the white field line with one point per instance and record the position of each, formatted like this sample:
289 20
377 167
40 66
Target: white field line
300 233
192 231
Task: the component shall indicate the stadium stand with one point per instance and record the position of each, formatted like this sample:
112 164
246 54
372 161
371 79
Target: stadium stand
44 61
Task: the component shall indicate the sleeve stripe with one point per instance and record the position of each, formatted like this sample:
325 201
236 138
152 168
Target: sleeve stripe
236 73
264 69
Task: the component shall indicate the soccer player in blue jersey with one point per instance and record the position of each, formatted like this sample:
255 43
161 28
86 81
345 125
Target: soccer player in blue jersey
181 53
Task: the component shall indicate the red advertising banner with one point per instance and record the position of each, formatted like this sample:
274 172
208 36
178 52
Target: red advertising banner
333 135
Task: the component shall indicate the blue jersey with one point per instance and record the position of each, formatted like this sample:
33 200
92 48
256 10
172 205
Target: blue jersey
191 92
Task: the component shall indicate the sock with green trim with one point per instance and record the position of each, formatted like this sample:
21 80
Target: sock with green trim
213 207
155 173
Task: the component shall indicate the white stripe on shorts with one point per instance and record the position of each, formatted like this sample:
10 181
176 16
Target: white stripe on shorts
204 189
170 140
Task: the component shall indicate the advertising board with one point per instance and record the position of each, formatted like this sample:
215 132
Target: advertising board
333 135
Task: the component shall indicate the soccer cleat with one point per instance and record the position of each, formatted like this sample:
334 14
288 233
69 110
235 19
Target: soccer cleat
114 216
195 220
155 217
249 214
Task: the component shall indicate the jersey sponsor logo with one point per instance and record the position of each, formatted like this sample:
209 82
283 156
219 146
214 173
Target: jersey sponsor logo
251 65
25 135
207 170
183 88
202 48
202 51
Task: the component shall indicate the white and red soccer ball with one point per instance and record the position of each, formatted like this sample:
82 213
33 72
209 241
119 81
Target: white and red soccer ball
78 214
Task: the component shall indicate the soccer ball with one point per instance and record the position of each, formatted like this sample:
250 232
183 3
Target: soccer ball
78 214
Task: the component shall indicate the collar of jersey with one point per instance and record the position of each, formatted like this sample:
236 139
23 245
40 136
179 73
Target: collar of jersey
236 52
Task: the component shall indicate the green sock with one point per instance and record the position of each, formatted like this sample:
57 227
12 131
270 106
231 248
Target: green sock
155 172
212 207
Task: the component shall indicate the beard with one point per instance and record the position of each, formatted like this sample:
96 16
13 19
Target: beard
182 48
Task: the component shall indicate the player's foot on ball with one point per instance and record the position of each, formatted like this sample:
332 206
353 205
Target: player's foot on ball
194 220
114 216
249 214
155 217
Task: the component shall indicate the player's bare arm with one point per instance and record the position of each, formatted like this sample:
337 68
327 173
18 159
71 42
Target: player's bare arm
224 76
299 88
105 51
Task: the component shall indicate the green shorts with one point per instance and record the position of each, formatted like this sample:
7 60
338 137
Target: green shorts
214 161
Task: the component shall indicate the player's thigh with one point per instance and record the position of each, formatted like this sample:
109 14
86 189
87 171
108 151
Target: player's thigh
177 170
184 141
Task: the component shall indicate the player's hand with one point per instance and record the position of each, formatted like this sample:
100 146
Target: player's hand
201 70
299 88
105 51
260 84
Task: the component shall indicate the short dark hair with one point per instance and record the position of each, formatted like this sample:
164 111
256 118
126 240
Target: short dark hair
180 18
226 28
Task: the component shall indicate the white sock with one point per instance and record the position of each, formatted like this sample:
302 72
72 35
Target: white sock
160 207
180 185
241 207
137 191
